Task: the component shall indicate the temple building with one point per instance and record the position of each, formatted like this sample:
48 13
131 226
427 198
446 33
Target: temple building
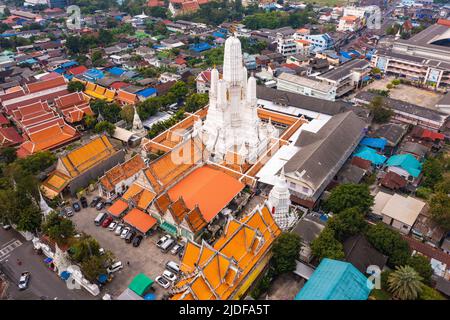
226 270
232 125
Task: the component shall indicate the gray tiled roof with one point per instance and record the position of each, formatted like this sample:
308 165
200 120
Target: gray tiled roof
321 152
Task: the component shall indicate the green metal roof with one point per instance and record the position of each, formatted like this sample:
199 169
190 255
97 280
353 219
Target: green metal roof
140 284
169 228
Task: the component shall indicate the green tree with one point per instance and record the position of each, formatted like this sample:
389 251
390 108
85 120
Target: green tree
429 293
59 229
179 90
89 121
196 101
92 267
75 86
389 243
84 248
326 246
8 154
422 266
440 209
127 114
105 126
109 111
37 162
30 218
432 172
405 283
347 223
285 251
381 112
347 196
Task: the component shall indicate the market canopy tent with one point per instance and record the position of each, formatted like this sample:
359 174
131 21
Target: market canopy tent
140 284
128 294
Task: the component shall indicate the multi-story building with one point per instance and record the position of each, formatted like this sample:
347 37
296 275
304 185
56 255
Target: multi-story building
319 42
424 58
329 85
349 23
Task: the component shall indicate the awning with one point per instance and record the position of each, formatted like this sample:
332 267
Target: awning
140 284
128 294
48 260
140 220
65 275
169 228
150 296
118 208
102 278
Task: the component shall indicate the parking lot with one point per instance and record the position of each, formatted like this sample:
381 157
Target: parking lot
147 258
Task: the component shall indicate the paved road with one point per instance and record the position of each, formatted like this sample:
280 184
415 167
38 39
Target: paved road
44 284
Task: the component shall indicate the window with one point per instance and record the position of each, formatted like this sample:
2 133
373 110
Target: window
292 185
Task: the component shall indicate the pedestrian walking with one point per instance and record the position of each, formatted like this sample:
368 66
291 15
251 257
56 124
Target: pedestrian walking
128 263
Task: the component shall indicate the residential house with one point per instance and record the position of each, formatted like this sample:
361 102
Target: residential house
405 165
398 211
335 280
362 255
309 228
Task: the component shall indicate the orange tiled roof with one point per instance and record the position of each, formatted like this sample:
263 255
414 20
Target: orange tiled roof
49 137
140 220
141 197
178 210
126 97
118 207
87 156
45 84
122 172
217 272
54 184
162 203
209 189
166 169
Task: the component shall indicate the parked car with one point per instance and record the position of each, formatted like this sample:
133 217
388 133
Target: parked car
175 249
108 202
69 211
95 201
6 226
163 282
169 275
84 202
124 232
99 218
162 240
116 266
107 222
118 229
173 266
101 251
24 280
100 205
130 236
166 246
137 241
76 206
112 226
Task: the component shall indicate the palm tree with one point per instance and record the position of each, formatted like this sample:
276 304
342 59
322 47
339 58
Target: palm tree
405 283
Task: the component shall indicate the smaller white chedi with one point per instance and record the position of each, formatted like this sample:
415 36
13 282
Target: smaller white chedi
138 127
279 203
232 124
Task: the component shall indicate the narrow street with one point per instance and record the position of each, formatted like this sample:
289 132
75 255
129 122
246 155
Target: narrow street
44 283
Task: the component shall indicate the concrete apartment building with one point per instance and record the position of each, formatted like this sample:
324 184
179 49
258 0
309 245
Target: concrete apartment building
425 57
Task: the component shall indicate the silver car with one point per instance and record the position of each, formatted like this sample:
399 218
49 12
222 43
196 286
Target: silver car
118 229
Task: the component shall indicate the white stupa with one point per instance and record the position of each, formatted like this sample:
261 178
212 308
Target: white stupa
45 208
232 123
138 127
279 203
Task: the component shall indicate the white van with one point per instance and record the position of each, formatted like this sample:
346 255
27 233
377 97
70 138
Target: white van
167 245
99 219
173 266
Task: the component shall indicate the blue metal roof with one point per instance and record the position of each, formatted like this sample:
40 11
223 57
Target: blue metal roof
116 71
69 64
335 280
218 34
378 143
148 92
370 154
94 74
199 47
407 162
